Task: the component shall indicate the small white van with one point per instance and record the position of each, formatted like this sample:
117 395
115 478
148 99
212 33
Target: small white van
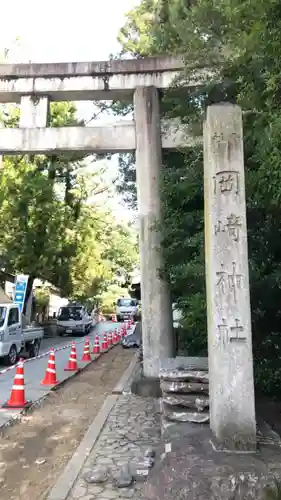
74 318
127 308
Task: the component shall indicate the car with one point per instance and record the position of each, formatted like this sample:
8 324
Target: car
74 318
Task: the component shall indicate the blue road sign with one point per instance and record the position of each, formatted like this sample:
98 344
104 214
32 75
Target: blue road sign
20 290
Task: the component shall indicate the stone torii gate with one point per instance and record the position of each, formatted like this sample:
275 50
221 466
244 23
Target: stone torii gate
34 86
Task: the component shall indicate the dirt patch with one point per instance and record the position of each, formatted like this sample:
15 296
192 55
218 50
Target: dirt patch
50 434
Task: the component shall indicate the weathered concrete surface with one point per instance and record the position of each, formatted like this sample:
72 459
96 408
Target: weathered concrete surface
113 137
157 323
116 79
194 471
232 408
185 362
34 112
89 68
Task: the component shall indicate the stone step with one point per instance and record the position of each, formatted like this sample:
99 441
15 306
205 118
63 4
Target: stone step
184 387
185 362
184 375
180 414
193 401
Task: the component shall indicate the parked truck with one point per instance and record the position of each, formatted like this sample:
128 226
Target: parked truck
126 308
16 339
74 318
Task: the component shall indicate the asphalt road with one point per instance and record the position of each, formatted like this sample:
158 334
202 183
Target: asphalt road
57 342
34 370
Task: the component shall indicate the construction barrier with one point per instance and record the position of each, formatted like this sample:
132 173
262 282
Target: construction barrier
17 398
51 376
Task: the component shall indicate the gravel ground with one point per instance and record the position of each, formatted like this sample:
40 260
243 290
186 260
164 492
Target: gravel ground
34 452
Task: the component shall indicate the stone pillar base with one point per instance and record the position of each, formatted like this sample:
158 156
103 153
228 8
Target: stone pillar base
194 470
146 387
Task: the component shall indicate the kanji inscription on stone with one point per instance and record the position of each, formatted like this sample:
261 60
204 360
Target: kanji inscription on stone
231 226
228 282
227 334
226 181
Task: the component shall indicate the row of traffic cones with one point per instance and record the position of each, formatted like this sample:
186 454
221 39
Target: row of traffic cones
17 398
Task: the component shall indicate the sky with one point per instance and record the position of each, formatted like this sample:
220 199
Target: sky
63 31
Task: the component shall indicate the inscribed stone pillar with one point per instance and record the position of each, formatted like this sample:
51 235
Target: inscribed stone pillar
232 406
157 323
34 112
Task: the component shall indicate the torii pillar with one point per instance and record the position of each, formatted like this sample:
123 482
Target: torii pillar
157 321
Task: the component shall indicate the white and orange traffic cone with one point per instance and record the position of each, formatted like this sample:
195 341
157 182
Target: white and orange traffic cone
86 354
115 337
50 376
118 335
104 346
17 399
72 365
123 332
110 341
96 349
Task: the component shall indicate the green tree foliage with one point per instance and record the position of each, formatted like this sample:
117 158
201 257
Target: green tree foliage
239 45
107 300
52 226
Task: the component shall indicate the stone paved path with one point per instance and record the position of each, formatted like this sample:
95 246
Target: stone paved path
132 427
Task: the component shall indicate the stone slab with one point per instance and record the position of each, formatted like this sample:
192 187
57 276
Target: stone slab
186 362
183 374
182 415
186 400
184 387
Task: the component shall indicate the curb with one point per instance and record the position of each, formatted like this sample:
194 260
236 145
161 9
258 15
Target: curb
68 477
65 482
123 383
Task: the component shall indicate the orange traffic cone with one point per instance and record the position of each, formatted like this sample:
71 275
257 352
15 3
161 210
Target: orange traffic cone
123 332
96 349
118 336
104 345
110 341
86 354
50 376
17 399
72 365
115 337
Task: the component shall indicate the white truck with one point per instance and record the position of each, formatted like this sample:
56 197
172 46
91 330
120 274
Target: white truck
14 338
127 308
74 318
